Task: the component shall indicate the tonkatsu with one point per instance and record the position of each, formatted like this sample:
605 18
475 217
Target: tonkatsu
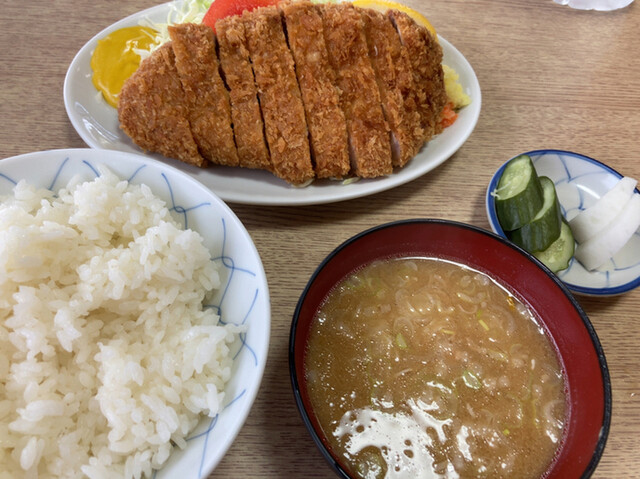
395 82
425 55
321 97
368 130
209 110
285 125
153 110
302 90
246 118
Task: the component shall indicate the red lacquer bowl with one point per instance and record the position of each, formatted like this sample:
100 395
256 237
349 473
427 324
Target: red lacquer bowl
587 377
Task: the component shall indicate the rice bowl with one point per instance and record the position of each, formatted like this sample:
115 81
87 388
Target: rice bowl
171 361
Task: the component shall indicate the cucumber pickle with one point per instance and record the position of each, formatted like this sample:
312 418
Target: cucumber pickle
557 256
518 197
544 228
529 212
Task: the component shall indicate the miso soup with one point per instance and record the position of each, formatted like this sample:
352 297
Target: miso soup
419 367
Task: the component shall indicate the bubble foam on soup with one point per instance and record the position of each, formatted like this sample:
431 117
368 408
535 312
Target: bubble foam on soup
419 367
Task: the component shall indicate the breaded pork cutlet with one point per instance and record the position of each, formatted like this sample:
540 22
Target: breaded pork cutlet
395 82
425 54
369 141
207 98
248 126
349 92
279 94
153 112
325 119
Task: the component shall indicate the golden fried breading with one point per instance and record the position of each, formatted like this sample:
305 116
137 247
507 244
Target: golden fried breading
279 94
351 91
207 98
369 138
425 54
393 73
152 109
325 119
248 126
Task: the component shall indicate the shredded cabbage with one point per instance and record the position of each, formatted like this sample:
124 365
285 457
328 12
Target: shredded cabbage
185 11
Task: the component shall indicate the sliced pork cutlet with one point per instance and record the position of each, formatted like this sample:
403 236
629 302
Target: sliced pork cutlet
248 127
279 94
325 119
395 82
425 54
194 46
153 111
369 140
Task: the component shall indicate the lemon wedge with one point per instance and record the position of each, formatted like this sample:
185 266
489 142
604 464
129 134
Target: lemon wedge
384 5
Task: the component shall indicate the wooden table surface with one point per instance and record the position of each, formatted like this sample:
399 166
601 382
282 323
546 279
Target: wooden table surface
551 77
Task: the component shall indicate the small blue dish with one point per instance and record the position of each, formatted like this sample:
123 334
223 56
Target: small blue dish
580 181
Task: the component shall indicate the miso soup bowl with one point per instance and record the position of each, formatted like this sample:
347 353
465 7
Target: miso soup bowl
588 387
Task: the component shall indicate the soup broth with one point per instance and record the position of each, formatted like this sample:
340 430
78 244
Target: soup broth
420 367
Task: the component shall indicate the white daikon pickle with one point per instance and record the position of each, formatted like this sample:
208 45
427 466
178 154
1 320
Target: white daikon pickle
597 250
594 219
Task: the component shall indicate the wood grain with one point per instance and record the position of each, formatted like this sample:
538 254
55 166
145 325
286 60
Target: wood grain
551 77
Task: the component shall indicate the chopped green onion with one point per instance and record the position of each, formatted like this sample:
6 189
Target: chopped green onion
353 179
497 355
483 324
471 380
400 341
534 414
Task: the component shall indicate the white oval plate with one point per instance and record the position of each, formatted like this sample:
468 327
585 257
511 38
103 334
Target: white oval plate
97 124
580 181
243 297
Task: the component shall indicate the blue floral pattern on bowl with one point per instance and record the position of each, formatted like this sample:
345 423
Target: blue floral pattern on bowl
580 181
242 299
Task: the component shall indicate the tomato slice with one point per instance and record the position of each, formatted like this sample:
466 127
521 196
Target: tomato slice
224 8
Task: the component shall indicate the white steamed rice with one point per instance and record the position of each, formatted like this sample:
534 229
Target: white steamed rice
107 356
